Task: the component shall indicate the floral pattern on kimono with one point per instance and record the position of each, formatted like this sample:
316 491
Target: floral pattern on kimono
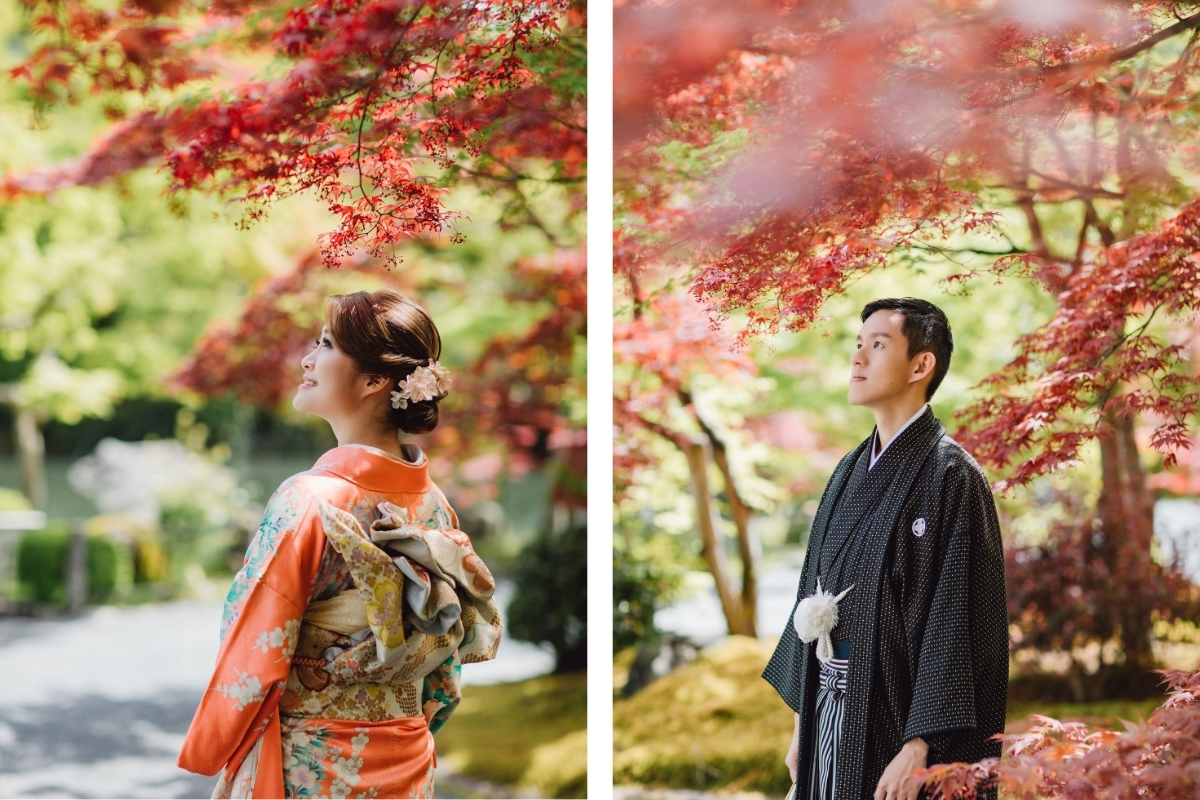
441 693
271 684
320 761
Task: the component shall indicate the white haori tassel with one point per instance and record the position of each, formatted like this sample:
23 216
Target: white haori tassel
815 617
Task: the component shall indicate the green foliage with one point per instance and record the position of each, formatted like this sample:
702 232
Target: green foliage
42 565
646 577
102 557
550 604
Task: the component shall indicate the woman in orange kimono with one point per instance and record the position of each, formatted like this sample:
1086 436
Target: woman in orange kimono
344 632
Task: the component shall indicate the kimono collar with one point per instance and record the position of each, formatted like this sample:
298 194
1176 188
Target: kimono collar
374 470
875 435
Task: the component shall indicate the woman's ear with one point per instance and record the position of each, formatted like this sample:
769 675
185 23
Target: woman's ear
371 384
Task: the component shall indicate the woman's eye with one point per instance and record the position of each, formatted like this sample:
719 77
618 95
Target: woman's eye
878 345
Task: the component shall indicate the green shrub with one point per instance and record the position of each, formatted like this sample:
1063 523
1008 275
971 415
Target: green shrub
646 577
102 557
550 602
42 565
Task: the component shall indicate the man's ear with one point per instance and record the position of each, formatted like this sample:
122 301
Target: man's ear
924 366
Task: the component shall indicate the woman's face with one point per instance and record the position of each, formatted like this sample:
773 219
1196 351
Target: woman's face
332 387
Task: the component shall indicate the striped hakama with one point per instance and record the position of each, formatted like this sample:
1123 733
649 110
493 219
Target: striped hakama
830 705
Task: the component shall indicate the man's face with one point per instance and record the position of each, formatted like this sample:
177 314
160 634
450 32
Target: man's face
880 368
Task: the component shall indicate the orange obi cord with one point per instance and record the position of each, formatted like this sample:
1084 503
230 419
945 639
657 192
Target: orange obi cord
349 758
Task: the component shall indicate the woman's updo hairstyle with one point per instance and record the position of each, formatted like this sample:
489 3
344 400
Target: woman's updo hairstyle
388 334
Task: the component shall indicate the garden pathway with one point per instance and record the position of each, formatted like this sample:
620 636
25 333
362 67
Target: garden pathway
98 705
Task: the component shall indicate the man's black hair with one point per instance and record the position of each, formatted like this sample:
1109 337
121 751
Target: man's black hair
925 328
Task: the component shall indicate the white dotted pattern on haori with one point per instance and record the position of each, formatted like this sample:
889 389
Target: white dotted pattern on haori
929 641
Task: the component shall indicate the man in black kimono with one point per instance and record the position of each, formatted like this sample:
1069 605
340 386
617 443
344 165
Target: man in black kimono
907 524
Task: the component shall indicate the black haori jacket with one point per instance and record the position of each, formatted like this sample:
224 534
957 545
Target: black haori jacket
929 645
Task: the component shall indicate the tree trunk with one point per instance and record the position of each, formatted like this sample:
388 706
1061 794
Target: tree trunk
31 451
714 549
1126 510
748 546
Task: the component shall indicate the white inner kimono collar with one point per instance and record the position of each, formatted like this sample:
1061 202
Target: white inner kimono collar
875 436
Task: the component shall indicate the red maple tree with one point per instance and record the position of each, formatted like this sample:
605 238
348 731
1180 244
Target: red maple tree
380 108
377 106
1158 758
769 152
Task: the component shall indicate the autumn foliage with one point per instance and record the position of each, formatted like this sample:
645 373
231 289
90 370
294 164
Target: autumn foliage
1159 758
379 108
376 106
825 139
1081 588
513 394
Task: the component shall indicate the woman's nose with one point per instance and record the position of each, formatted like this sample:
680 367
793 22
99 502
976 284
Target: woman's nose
306 362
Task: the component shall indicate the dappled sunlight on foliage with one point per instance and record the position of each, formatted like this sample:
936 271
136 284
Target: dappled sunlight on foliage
374 106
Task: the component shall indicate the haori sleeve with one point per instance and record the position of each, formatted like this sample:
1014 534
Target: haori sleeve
963 660
259 628
441 692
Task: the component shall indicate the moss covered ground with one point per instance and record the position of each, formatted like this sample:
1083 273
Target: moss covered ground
530 735
716 724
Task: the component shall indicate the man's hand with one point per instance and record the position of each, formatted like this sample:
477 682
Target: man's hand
793 754
897 783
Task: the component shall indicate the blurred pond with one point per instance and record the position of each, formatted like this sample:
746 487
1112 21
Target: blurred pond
698 615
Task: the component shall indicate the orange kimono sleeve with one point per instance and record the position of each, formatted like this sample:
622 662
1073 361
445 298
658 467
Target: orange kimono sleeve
259 629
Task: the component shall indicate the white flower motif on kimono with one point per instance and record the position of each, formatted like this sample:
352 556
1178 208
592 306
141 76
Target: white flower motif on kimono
339 790
424 789
282 638
246 690
304 777
347 769
359 742
372 792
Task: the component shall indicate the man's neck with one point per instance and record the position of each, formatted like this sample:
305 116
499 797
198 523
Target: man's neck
889 419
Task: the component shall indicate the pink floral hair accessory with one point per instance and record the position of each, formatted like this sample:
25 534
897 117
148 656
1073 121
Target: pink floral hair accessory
425 383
